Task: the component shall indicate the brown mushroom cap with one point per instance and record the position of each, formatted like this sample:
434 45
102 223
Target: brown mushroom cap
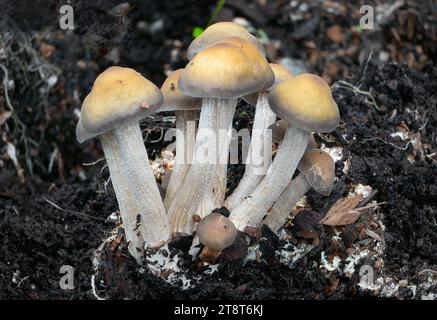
264 70
223 70
174 100
281 74
305 102
216 232
278 132
319 170
218 32
119 96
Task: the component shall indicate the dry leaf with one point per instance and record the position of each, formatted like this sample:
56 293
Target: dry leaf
373 235
342 213
4 116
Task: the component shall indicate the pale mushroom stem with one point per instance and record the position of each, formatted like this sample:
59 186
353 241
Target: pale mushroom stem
186 126
206 205
220 177
295 190
199 178
253 174
142 211
251 210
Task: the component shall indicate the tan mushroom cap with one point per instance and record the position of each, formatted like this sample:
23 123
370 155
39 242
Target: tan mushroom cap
223 70
216 232
174 100
319 170
119 96
264 70
278 133
218 32
281 74
305 102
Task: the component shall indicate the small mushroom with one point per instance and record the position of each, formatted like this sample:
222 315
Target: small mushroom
258 158
185 109
306 103
216 232
112 111
219 75
317 171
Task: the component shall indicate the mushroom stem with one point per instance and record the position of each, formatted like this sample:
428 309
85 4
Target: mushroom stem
253 174
207 205
220 177
215 114
295 190
186 126
141 208
252 209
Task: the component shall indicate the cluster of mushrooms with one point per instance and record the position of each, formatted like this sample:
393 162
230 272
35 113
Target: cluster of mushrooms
226 63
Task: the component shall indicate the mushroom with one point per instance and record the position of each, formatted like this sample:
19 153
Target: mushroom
317 171
185 109
216 232
119 99
219 75
306 103
260 141
218 32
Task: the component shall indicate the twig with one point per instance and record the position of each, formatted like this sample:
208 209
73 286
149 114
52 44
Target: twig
71 211
389 143
368 94
93 163
428 271
369 58
424 125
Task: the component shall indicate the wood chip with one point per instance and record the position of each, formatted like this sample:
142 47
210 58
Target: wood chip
373 235
342 213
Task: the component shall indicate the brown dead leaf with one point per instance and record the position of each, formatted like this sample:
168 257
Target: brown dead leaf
208 255
342 213
46 49
307 234
253 233
4 116
335 34
373 235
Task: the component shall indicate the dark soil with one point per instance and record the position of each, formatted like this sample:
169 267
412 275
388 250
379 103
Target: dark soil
37 237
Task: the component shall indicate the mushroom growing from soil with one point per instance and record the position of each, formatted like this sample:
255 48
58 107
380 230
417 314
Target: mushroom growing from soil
306 103
317 171
185 109
260 141
119 99
219 75
216 232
